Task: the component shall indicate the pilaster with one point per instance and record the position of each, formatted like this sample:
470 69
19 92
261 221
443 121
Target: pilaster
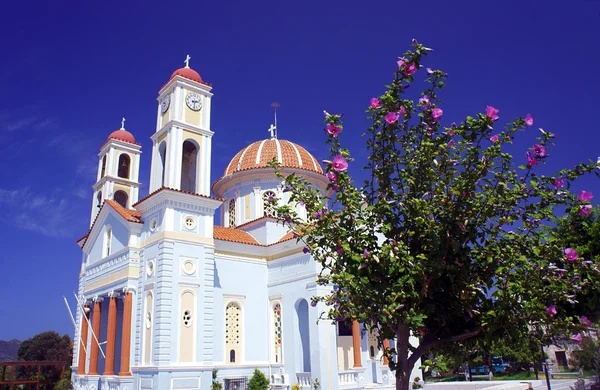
163 316
209 304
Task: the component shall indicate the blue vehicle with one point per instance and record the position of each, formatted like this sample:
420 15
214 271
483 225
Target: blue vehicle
498 367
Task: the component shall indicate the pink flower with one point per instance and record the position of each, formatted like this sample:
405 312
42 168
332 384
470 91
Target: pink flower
339 163
333 129
585 196
436 113
392 117
365 253
585 210
339 249
402 111
530 160
424 100
450 143
529 120
577 338
305 250
559 183
313 303
586 322
410 69
429 70
571 254
401 62
494 138
492 113
551 310
375 103
331 176
539 150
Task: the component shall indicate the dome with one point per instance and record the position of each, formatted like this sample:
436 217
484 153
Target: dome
187 73
260 153
122 135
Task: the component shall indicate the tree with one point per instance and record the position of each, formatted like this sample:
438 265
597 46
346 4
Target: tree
445 238
47 346
258 381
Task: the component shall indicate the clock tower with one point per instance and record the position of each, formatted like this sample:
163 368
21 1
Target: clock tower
181 145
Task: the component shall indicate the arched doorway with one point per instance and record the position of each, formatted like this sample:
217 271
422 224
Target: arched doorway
303 333
124 163
162 153
121 198
189 166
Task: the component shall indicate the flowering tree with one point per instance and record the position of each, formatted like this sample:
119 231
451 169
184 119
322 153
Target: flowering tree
444 239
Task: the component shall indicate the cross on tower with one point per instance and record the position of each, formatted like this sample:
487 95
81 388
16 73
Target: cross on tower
123 123
187 61
272 130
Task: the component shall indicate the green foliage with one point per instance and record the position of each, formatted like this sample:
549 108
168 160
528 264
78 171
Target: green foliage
63 384
258 381
296 386
216 385
47 346
316 384
447 238
585 357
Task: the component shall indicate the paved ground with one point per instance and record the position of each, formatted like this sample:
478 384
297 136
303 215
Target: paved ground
557 384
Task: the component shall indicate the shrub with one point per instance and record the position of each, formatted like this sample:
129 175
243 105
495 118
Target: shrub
258 381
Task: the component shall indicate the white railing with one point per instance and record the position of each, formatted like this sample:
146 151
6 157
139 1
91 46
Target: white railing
304 379
346 378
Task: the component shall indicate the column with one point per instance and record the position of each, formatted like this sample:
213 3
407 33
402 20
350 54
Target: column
126 334
356 343
95 331
111 336
386 346
83 336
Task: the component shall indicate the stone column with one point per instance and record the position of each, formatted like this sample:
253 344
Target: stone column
111 336
386 345
83 336
126 335
96 331
356 343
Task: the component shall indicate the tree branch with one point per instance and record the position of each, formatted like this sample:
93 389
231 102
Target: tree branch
466 335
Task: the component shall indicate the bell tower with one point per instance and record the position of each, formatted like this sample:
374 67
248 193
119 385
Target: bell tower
118 171
181 146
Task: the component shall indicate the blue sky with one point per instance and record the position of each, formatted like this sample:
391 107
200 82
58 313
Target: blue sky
70 72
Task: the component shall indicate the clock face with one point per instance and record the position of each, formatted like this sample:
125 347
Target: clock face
164 104
193 101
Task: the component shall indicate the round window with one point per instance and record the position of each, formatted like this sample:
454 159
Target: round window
150 268
189 222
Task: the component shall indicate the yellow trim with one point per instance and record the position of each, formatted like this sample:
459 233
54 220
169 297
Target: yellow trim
260 258
178 236
128 273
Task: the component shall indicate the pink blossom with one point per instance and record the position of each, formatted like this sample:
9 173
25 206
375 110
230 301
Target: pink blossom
333 129
392 117
585 196
492 113
339 249
450 143
559 183
305 250
551 310
530 160
571 254
529 120
436 113
313 303
365 253
375 103
494 138
401 62
424 100
429 70
585 210
331 176
540 150
586 321
577 338
339 163
402 111
410 69
326 113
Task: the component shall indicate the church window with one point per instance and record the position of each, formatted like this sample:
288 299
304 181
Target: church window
187 318
103 170
107 240
277 331
372 352
124 162
189 167
121 198
99 198
232 213
233 332
344 329
268 205
162 151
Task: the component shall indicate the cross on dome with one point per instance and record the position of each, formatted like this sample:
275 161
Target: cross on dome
123 123
272 129
187 61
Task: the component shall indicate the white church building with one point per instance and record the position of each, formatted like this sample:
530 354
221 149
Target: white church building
166 296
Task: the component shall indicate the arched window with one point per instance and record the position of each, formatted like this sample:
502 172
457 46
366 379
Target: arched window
233 330
121 198
231 213
277 330
189 166
124 163
99 199
268 206
372 352
103 169
107 240
162 152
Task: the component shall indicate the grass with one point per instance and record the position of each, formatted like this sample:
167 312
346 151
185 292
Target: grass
518 376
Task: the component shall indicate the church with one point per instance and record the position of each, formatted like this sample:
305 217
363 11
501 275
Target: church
167 299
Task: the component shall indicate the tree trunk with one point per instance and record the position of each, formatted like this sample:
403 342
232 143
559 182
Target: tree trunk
404 366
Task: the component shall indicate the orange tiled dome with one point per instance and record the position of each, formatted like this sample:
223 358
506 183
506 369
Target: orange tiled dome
260 153
188 73
122 135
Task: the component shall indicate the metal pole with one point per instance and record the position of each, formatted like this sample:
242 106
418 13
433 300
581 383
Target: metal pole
545 365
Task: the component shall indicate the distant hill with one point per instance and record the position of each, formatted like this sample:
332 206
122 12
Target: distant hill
9 350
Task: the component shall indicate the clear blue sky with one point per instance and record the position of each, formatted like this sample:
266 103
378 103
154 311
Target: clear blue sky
69 73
